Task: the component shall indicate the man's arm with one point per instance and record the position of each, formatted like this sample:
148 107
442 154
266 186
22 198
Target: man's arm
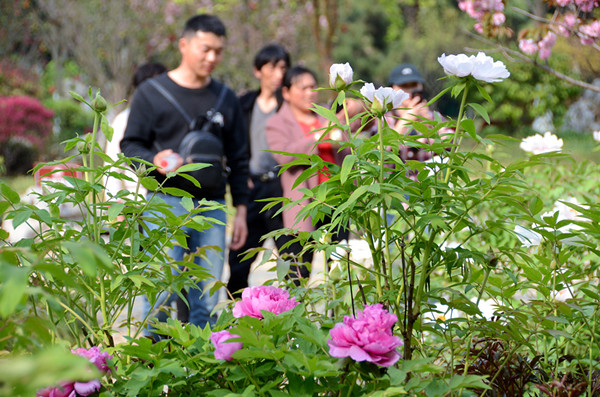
240 228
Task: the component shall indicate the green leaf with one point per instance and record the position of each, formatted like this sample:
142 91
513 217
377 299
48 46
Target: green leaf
77 96
114 210
9 194
187 203
149 183
481 111
469 126
484 93
14 285
191 167
107 130
83 257
283 268
438 96
173 191
21 216
347 165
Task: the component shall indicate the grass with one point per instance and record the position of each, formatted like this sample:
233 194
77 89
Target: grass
20 183
582 147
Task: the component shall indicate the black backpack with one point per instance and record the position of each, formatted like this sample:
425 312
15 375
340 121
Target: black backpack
203 143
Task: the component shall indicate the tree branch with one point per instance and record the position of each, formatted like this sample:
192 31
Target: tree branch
516 54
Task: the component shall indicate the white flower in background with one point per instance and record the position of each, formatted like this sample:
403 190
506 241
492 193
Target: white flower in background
340 75
596 135
538 144
527 237
566 212
563 295
383 98
531 238
480 66
436 160
487 307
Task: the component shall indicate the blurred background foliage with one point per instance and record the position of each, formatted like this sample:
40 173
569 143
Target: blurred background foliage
51 47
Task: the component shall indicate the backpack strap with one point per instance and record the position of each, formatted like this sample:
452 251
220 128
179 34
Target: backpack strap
221 97
171 99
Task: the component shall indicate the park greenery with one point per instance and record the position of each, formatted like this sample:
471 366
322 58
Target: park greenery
483 279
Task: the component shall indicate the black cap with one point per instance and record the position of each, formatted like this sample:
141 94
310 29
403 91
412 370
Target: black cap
405 73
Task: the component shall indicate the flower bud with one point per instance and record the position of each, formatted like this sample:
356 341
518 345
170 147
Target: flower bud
340 75
99 103
83 147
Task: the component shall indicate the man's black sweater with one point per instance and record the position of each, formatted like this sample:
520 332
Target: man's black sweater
155 124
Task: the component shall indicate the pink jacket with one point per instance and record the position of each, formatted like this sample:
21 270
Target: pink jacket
285 134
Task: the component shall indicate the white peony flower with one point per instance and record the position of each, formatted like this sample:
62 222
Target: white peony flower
538 144
596 135
480 66
340 75
384 96
527 237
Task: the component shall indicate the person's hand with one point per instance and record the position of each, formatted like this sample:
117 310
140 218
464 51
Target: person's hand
167 160
413 109
240 228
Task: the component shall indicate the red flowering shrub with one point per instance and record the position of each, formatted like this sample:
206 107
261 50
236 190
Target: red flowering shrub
25 125
25 118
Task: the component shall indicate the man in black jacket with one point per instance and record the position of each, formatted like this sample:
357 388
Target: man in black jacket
270 64
157 126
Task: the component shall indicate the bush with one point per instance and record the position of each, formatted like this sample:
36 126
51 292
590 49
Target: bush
24 123
70 118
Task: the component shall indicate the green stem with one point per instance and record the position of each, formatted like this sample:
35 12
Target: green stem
457 137
424 275
92 176
386 254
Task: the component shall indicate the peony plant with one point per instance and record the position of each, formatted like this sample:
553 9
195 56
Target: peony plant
263 298
97 357
368 337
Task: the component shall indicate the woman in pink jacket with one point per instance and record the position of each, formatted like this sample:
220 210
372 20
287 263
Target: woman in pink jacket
292 130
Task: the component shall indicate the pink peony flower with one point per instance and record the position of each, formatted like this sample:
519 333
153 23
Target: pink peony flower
73 389
223 349
267 298
563 3
368 337
65 389
96 357
87 388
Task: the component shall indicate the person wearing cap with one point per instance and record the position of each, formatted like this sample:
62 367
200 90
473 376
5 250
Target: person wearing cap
408 78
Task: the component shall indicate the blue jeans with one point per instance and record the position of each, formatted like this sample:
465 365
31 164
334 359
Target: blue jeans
201 305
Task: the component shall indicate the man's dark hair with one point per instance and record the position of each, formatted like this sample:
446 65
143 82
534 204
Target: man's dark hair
292 74
204 23
271 53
